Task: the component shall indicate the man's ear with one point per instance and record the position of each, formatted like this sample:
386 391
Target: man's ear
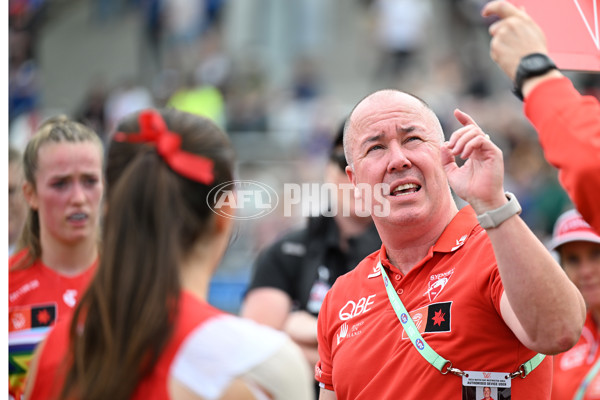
30 195
352 177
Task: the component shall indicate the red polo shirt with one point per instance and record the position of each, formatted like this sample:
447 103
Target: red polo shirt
453 295
572 366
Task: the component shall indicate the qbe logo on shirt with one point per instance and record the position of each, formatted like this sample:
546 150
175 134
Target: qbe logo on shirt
352 309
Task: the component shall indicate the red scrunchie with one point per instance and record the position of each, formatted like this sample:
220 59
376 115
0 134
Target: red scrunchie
153 130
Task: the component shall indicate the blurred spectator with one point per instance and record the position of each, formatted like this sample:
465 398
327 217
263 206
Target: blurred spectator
26 19
184 23
576 370
92 109
203 100
529 177
214 65
302 114
202 93
153 21
123 100
400 31
214 12
23 80
467 37
246 99
17 207
164 84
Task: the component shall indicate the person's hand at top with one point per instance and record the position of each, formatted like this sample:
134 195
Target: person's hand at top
514 36
479 180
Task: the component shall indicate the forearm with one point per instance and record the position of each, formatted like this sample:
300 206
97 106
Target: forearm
548 307
302 328
267 306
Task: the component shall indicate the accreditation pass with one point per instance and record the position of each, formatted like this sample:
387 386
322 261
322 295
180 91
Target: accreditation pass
478 385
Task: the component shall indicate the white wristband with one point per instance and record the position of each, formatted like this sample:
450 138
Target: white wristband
493 218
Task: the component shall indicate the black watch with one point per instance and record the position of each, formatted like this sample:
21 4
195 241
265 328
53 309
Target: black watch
531 65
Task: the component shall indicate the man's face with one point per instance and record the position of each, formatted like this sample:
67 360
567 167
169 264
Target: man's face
395 140
487 392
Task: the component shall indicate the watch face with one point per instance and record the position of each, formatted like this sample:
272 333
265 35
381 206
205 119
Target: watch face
536 62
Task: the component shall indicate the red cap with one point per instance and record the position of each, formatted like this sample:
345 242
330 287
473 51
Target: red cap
570 227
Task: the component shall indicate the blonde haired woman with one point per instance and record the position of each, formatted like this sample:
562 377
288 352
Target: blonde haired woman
58 249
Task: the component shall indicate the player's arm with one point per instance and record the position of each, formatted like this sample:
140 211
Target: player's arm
267 305
540 304
301 326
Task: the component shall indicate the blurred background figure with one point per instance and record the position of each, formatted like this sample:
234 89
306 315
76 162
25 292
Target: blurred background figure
578 247
58 249
199 97
144 329
292 276
26 19
17 207
400 33
128 97
91 111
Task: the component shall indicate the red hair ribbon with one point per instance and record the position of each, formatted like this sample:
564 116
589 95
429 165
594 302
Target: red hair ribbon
153 130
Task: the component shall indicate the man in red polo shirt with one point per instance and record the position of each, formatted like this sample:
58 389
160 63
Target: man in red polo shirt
447 303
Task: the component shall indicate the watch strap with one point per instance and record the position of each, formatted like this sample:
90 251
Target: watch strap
523 72
493 218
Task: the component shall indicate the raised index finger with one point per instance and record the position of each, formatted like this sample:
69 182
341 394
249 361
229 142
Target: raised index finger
464 118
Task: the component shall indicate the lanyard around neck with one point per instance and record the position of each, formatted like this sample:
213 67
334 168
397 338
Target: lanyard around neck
430 355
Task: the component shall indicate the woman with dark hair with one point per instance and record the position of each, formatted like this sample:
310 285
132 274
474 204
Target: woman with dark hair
144 329
57 251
